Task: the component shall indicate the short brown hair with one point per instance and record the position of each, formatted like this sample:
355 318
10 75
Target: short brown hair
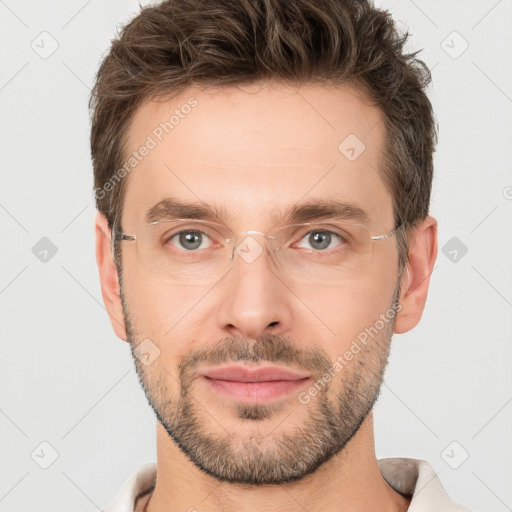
179 43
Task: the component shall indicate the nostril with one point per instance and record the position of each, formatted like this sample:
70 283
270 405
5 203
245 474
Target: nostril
271 324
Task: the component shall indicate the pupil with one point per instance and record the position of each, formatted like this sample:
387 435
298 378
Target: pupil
321 238
190 240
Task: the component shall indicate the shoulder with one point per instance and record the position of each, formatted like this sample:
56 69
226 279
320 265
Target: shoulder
417 479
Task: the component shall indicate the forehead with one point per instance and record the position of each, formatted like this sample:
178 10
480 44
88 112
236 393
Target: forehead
252 151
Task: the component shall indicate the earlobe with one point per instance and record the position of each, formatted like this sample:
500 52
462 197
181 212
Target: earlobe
109 278
416 277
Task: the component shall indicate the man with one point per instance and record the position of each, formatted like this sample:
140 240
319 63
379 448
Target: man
262 173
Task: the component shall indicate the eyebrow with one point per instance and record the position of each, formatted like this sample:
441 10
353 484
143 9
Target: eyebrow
173 208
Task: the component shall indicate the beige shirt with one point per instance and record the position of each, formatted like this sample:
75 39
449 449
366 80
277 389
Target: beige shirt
410 477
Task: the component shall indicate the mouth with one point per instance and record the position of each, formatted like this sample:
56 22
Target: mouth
254 385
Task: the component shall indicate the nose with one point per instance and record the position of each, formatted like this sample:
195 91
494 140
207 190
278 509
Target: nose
255 299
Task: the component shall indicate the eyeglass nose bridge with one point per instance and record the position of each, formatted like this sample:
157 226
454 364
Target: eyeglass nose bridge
249 249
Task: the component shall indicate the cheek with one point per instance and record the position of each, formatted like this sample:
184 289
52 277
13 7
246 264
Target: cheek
163 313
339 315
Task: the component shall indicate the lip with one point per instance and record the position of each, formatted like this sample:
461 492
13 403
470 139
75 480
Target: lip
254 386
244 374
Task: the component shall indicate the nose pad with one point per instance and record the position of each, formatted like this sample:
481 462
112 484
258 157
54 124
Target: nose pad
250 249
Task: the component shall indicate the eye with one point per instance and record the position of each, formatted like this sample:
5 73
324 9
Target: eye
320 240
190 239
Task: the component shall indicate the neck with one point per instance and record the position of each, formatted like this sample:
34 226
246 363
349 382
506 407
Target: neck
351 480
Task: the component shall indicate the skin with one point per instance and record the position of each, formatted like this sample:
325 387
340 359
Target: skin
253 149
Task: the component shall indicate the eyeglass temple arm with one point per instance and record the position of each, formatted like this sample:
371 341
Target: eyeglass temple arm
116 235
387 235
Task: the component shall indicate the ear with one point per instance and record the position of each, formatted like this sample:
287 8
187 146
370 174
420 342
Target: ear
109 280
416 277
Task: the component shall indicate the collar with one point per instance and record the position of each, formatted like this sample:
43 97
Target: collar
410 477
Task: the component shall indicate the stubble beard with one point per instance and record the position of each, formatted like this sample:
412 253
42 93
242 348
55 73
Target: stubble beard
244 456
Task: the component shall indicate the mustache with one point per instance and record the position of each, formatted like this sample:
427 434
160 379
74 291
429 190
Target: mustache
268 348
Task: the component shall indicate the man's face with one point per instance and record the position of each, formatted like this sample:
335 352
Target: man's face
253 153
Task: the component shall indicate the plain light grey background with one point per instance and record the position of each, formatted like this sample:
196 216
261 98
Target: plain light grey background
68 382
